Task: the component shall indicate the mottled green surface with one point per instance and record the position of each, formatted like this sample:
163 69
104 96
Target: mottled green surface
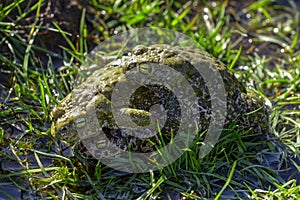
94 94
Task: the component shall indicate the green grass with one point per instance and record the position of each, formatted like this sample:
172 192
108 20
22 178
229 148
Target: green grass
263 51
